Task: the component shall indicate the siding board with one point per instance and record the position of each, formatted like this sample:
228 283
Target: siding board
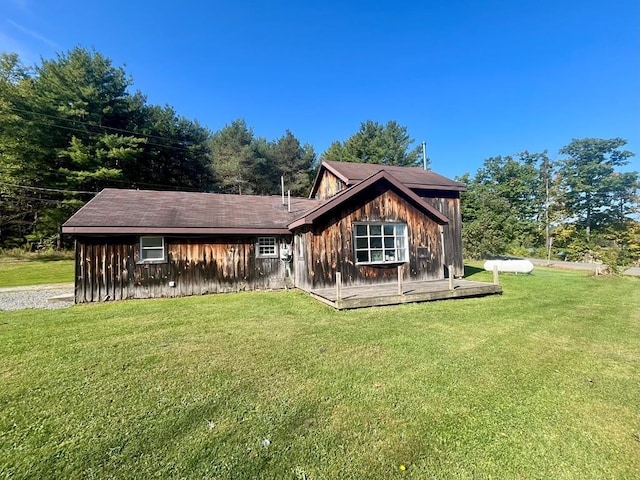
329 246
108 266
452 231
329 185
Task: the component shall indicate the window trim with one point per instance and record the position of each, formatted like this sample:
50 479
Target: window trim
396 248
259 253
143 249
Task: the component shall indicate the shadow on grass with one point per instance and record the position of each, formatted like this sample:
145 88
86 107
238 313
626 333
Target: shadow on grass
37 257
471 270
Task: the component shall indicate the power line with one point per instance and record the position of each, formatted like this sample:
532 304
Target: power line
90 124
41 189
132 184
33 199
95 125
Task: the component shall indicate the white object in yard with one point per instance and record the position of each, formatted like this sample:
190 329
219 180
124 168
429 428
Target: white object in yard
510 266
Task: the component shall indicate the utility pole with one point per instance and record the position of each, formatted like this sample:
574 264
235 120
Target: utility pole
547 226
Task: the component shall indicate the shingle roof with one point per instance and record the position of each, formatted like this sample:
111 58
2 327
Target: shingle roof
413 177
118 211
146 211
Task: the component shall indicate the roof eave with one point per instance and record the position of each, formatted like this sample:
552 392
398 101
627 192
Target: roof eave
448 188
333 202
137 230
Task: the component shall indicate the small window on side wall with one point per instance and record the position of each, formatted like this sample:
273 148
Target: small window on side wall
152 250
267 247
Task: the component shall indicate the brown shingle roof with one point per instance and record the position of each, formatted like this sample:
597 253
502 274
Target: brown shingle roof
146 211
413 177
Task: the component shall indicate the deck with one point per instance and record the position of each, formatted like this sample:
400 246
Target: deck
389 293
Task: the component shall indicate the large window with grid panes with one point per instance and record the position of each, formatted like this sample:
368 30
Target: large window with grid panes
380 243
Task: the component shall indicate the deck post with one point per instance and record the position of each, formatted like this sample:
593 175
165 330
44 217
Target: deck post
338 286
450 277
495 275
399 279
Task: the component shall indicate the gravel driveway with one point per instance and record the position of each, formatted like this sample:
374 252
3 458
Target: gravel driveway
37 296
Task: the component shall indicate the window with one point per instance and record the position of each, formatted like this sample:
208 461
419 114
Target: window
152 250
267 247
381 242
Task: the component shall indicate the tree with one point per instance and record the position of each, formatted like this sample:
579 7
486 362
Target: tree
246 164
70 127
502 207
232 158
593 193
175 155
376 143
294 163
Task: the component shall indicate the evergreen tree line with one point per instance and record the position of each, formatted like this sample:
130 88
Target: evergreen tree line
71 126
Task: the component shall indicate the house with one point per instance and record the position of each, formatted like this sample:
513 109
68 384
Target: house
370 223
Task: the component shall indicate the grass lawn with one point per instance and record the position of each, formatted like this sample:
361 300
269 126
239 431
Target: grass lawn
539 383
36 269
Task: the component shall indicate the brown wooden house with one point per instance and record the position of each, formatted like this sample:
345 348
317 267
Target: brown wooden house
361 220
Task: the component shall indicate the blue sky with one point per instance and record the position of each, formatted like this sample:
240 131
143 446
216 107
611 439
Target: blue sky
474 79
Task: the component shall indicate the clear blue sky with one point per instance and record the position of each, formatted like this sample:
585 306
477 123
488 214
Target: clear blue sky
474 79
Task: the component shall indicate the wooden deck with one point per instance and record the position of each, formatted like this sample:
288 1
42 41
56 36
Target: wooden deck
389 293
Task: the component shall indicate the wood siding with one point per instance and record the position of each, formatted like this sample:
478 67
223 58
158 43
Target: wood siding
328 247
449 204
329 185
107 268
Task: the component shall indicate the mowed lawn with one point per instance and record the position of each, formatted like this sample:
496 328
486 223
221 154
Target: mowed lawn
541 382
36 269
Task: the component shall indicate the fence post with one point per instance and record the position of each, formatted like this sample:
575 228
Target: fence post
338 286
399 279
495 275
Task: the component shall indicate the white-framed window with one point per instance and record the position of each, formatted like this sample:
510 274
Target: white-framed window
267 247
152 250
377 243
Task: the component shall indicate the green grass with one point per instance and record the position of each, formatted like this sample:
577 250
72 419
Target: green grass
36 269
538 383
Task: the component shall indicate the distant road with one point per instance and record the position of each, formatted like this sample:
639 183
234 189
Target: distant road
633 271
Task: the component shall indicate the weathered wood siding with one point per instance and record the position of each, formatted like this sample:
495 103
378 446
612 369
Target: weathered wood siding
328 246
329 185
449 204
108 268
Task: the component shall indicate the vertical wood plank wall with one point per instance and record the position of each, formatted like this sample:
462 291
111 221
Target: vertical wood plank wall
108 269
329 246
449 205
447 202
329 185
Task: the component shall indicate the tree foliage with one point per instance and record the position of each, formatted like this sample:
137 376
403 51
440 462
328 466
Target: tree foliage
243 163
501 208
70 127
593 194
388 144
581 205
